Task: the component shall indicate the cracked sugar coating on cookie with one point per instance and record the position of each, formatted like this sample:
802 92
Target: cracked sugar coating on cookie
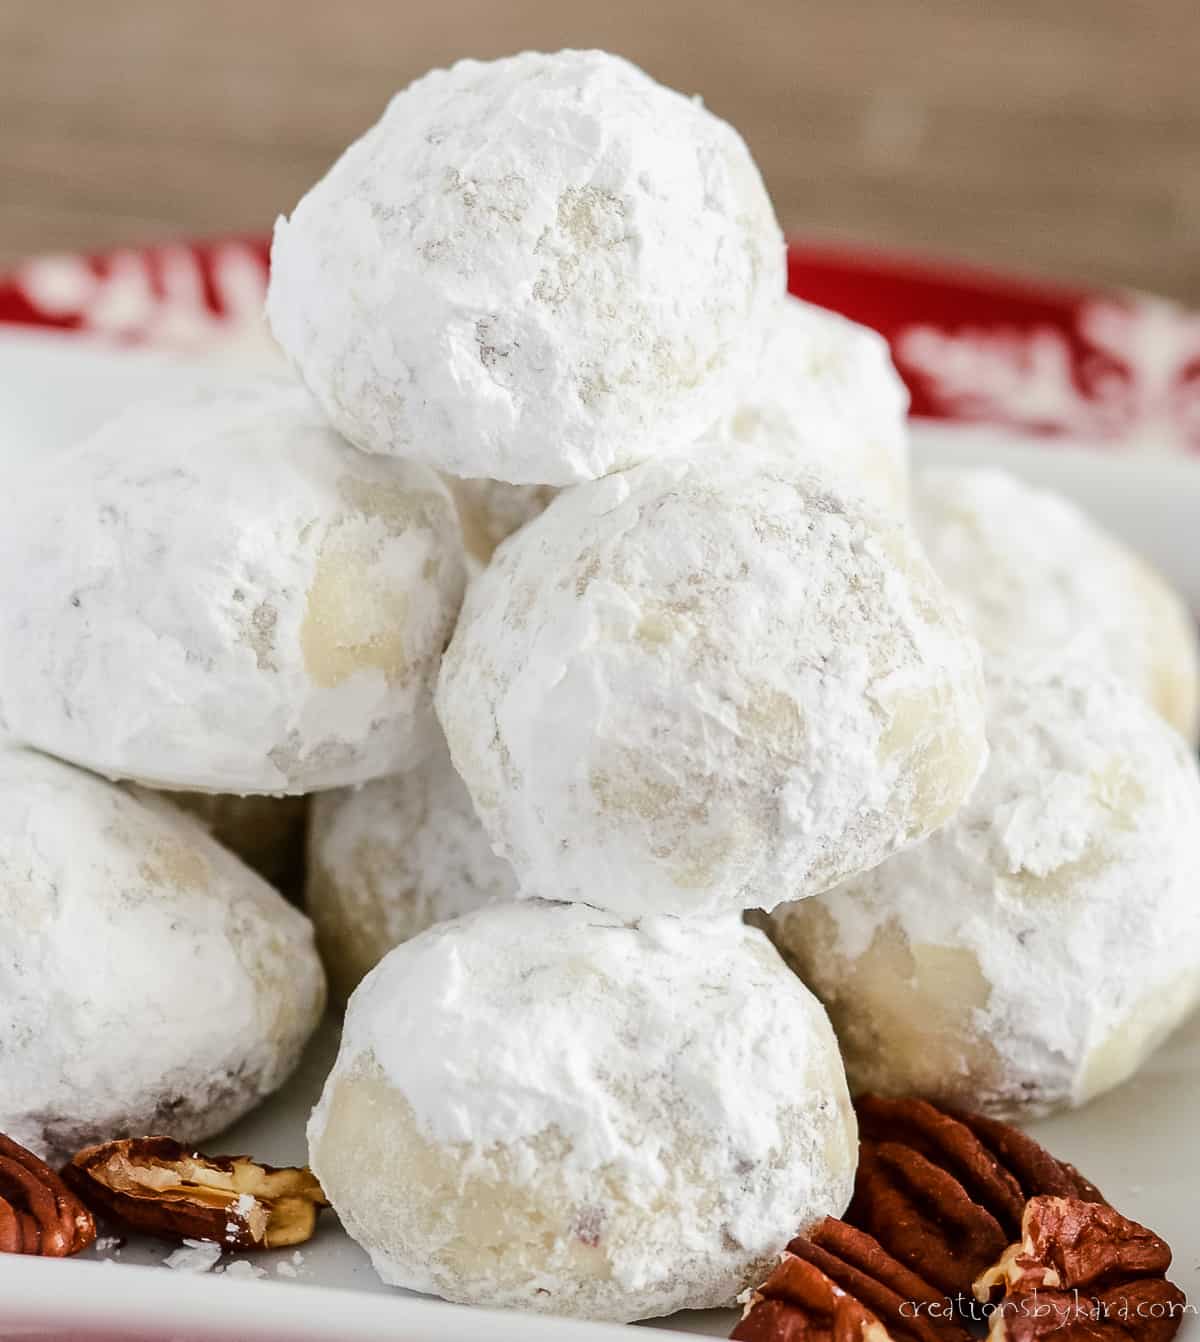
633 1116
828 392
1032 953
536 270
711 682
391 858
149 982
1034 575
218 594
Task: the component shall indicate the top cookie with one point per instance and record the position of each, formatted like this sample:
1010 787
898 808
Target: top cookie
538 270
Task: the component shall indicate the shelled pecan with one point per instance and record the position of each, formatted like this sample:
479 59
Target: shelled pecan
800 1303
923 1216
38 1213
154 1185
945 1192
938 1200
1084 1273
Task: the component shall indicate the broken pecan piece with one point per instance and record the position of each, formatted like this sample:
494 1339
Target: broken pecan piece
1082 1271
38 1213
799 1303
154 1185
923 1216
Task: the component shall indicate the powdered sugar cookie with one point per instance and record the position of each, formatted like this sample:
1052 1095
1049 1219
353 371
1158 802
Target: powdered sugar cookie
392 858
149 982
218 594
708 683
827 392
1034 575
1032 953
633 1117
536 269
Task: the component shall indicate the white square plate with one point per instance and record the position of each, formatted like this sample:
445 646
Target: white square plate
1138 1143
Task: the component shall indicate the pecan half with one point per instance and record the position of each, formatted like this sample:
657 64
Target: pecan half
1083 1272
38 1213
942 1190
949 1143
1038 1172
800 1303
154 1185
923 1216
907 1305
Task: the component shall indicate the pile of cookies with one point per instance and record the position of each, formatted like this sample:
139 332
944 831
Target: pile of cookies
578 574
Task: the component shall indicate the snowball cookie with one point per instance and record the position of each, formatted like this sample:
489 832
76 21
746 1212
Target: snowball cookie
149 982
490 511
1034 574
537 269
709 683
267 833
392 858
1034 952
828 391
542 1107
216 593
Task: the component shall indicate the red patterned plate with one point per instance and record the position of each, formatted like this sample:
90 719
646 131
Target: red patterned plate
1119 370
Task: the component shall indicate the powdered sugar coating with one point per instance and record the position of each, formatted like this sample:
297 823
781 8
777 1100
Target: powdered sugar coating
217 593
1033 575
633 1117
148 981
392 858
1032 953
828 392
535 269
708 683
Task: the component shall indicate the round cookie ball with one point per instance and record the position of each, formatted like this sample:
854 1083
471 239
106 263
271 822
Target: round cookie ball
1032 953
389 859
536 269
216 593
1035 576
706 684
633 1118
267 833
828 392
149 982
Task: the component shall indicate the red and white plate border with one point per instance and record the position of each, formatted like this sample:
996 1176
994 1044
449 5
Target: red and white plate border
1119 370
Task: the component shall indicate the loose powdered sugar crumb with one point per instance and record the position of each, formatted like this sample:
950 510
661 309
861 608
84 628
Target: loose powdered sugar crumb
195 1256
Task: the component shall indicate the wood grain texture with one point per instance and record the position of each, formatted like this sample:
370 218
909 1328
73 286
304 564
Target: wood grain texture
1059 136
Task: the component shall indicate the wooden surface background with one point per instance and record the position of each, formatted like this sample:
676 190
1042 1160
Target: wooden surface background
1055 135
